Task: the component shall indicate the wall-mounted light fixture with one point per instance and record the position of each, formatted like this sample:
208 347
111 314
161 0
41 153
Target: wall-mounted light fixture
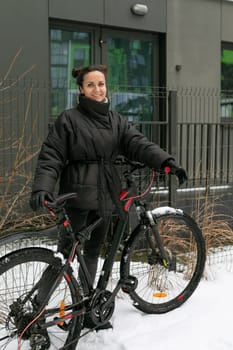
178 67
139 9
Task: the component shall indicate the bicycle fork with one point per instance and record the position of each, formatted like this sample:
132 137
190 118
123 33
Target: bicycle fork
165 258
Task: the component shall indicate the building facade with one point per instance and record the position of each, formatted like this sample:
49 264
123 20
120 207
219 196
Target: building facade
151 47
174 43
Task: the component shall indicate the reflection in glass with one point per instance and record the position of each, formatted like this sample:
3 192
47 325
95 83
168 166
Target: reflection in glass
68 49
130 64
227 82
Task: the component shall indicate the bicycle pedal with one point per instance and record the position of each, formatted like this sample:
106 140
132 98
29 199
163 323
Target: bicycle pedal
129 284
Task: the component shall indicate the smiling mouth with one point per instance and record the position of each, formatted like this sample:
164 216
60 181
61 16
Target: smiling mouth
98 97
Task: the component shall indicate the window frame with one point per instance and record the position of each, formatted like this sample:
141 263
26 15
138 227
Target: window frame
98 35
229 93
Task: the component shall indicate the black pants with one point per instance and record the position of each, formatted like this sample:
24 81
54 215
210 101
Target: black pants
91 248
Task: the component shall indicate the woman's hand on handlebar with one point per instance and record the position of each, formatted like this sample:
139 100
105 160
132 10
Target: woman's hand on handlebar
171 167
38 199
43 199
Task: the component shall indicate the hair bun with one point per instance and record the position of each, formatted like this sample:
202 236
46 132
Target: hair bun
80 72
75 72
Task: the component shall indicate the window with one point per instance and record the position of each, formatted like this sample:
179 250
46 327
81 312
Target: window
227 80
68 49
131 61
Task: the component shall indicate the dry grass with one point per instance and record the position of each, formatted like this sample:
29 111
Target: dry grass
216 226
32 222
16 179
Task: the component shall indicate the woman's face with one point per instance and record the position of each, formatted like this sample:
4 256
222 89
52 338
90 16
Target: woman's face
94 86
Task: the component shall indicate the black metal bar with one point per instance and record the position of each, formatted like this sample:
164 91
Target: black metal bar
172 142
110 258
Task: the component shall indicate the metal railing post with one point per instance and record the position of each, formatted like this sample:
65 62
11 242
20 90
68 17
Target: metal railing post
172 143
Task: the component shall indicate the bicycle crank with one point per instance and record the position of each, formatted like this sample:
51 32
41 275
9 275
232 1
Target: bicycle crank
101 310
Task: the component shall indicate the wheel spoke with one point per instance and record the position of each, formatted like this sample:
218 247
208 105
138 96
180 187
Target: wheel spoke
20 323
162 287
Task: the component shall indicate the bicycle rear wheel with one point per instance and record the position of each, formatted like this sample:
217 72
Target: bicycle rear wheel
162 288
20 272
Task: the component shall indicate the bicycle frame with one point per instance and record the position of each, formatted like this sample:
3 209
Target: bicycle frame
109 259
89 292
146 256
113 246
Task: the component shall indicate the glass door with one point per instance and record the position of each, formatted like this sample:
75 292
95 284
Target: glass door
68 49
132 59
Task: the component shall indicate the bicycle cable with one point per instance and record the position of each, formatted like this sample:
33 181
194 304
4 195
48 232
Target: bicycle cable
145 192
28 326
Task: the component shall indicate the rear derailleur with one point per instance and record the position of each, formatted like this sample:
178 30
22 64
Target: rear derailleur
21 318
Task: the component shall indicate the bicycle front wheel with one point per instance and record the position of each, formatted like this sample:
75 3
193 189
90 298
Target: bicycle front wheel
161 288
20 272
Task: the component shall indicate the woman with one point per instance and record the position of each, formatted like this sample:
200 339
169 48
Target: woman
80 151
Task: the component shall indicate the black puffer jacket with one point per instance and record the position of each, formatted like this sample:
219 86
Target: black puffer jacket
80 150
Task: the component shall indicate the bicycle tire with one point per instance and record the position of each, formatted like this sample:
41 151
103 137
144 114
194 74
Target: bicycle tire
160 289
45 238
19 272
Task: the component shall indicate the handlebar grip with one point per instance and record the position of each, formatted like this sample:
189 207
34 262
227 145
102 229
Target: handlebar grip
65 197
60 200
167 169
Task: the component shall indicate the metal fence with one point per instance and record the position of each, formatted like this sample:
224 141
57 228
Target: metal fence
195 125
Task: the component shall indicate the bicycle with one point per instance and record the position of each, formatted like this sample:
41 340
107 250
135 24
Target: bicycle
42 303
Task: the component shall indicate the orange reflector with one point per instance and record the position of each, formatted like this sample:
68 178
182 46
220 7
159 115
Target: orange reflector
62 311
160 295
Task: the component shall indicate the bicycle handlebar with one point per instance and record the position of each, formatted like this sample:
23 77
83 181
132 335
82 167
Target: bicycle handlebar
60 201
121 160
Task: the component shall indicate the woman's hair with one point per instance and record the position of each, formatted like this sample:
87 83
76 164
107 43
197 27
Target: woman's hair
79 73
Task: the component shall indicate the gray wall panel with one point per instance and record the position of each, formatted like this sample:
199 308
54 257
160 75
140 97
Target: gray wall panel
227 21
118 13
77 10
111 12
194 42
24 106
24 25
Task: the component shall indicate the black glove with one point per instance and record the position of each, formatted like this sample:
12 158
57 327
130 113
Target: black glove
37 200
175 169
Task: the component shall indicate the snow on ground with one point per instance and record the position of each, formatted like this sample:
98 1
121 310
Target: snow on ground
204 322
